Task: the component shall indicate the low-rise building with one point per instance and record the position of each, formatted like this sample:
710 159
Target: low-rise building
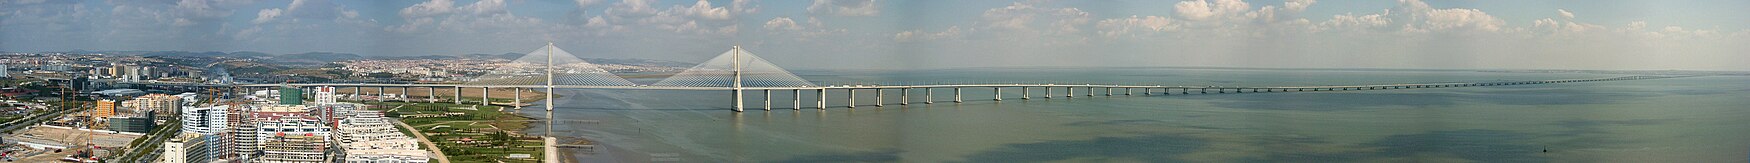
294 148
185 148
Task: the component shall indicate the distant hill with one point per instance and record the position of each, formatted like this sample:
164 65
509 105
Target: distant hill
311 59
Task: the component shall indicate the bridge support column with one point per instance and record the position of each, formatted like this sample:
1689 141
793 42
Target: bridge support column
1047 92
516 96
879 97
999 93
458 97
1127 91
928 96
820 103
380 93
851 102
768 100
1148 91
1024 94
1070 92
1091 91
957 95
485 96
405 96
905 96
431 95
356 91
1108 91
798 94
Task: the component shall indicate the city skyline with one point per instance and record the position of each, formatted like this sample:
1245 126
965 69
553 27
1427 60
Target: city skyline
825 34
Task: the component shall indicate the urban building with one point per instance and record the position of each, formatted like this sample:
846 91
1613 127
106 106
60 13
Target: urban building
291 96
205 120
212 122
158 104
294 148
368 138
3 72
185 148
138 124
105 109
324 95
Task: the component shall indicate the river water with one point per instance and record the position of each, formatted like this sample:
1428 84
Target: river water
1697 119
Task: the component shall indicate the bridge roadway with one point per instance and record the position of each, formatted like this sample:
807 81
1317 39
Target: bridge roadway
651 87
880 90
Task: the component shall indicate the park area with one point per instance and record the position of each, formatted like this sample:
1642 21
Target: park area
468 133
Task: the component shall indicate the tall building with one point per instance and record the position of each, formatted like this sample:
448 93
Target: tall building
207 120
3 71
294 148
324 95
212 122
104 109
185 148
291 96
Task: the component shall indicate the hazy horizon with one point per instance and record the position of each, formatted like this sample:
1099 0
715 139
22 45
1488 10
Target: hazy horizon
867 34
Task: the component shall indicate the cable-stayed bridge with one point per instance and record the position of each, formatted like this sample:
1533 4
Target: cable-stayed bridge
739 72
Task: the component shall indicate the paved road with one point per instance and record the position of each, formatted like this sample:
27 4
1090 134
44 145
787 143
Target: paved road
421 136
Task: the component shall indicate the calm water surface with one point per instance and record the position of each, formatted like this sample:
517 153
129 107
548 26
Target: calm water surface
1700 119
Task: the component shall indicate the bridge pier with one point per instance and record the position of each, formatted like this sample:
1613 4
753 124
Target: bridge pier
485 96
820 103
798 94
1108 91
768 100
431 94
1091 91
879 99
852 101
355 94
905 96
999 93
516 99
1047 92
957 95
458 97
1070 92
1127 91
1025 95
928 99
380 93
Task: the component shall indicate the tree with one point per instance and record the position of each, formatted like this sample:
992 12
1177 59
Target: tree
502 139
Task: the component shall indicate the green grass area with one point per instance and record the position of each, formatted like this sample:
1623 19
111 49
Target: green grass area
480 124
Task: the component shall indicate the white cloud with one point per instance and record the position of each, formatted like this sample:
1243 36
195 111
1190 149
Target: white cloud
1025 17
266 15
1352 22
1565 14
1204 10
920 35
1135 25
703 9
1429 19
845 7
781 23
428 9
585 3
1297 5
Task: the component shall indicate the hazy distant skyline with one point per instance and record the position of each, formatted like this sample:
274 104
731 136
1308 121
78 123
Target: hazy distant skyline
901 34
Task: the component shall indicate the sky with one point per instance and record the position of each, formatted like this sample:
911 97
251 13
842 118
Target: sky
919 34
